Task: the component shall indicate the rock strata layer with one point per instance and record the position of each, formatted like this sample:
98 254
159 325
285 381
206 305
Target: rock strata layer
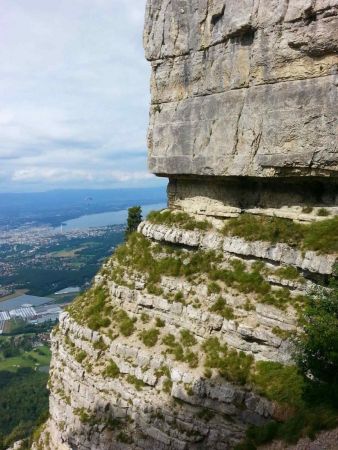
243 88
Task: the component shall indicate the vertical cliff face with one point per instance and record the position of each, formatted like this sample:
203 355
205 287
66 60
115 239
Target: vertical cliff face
243 88
184 340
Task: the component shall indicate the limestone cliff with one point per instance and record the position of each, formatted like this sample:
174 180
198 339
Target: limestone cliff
184 340
243 87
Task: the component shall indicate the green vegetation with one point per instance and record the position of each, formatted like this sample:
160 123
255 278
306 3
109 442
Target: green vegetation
23 404
139 254
159 322
167 385
318 346
94 310
84 415
179 297
310 402
134 219
263 228
174 347
187 338
163 370
80 356
253 281
234 366
155 290
41 270
125 323
124 438
221 308
18 352
283 334
24 328
180 219
177 348
281 298
90 308
305 422
288 273
318 236
145 317
191 359
283 384
139 384
100 345
112 370
214 288
323 212
90 418
149 337
322 236
239 277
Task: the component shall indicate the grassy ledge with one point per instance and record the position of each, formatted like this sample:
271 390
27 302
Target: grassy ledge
178 218
317 236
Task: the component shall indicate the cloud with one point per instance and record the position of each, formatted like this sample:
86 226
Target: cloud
54 176
35 174
74 94
131 176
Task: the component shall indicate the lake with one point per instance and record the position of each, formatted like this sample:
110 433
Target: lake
107 218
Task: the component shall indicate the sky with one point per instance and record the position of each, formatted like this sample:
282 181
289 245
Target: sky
74 95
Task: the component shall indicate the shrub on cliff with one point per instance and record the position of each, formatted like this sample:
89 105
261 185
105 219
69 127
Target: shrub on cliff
318 346
311 389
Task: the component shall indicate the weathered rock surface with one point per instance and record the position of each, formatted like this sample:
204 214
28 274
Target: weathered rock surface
243 88
156 422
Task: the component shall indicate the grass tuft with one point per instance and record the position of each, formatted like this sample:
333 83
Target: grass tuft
149 337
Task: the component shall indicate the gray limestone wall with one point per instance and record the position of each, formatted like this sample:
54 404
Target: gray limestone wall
243 88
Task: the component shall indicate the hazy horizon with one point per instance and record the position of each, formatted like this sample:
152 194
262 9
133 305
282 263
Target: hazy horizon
162 183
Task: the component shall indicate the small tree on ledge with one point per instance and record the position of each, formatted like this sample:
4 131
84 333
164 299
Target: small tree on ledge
134 219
